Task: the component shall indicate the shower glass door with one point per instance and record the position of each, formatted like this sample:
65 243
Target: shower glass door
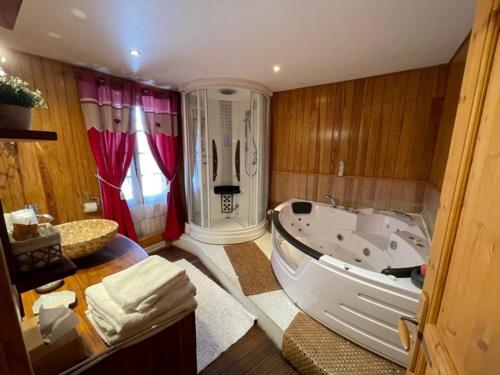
260 135
195 107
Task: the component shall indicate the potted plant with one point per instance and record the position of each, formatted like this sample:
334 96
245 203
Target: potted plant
16 102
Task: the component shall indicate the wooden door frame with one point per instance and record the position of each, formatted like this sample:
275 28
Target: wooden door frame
478 68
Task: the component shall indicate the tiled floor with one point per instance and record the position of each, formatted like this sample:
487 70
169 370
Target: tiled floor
254 353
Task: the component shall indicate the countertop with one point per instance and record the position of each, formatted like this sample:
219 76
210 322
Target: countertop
119 254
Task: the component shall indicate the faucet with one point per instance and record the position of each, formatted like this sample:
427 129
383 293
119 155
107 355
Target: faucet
332 200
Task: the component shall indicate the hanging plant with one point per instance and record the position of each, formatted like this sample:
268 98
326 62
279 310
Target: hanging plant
15 91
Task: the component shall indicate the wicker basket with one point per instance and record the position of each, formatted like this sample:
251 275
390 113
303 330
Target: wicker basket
84 237
38 252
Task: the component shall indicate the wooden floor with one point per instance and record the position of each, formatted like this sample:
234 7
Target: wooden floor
254 353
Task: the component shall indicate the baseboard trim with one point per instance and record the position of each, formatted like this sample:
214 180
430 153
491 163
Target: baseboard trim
154 248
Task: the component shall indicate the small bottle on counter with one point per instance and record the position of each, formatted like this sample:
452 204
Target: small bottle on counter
341 168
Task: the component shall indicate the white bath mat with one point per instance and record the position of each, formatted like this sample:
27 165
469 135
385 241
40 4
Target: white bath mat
220 319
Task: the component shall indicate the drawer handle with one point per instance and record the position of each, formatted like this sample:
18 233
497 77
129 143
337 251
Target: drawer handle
404 333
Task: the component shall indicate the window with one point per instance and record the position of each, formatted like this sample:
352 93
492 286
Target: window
150 182
145 187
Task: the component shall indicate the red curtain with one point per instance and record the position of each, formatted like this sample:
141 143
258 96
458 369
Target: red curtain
107 105
161 108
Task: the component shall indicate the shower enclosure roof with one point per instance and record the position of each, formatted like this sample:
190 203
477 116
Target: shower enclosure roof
226 82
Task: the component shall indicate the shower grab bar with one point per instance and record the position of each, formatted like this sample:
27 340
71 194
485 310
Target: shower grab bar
214 160
237 160
248 129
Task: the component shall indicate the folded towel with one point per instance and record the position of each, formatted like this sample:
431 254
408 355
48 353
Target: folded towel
113 319
142 285
170 316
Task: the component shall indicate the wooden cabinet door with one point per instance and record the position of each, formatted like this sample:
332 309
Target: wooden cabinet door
459 331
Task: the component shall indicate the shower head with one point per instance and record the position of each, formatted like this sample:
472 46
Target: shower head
228 91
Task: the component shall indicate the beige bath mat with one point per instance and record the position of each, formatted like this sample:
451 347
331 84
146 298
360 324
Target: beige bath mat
252 267
313 349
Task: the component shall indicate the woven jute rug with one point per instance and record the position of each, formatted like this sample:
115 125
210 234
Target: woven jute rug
313 349
252 267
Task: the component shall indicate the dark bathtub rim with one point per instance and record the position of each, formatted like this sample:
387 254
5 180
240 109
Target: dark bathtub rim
294 241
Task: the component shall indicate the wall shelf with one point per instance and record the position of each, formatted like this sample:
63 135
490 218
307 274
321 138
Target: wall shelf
14 135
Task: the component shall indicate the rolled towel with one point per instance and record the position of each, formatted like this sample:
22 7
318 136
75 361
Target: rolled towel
142 285
113 319
171 315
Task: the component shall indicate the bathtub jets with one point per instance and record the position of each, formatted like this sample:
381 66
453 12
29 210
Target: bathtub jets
330 260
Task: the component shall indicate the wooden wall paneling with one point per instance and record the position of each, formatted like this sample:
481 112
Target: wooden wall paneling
420 125
55 175
395 124
325 134
349 115
387 107
374 136
448 113
383 127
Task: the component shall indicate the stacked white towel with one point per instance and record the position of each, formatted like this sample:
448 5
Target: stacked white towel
140 297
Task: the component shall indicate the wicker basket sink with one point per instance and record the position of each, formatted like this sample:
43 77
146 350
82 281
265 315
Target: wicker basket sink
84 237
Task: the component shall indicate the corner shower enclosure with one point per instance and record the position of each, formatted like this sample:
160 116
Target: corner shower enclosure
226 154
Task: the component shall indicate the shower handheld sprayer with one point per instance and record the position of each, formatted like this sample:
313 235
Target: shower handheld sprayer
250 147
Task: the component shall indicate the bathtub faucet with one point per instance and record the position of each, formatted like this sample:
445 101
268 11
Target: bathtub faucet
332 200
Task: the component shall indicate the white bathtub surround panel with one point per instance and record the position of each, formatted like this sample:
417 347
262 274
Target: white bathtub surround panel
344 289
278 306
220 319
353 309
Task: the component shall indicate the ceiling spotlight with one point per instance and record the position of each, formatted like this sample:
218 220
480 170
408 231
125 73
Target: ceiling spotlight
2 72
276 68
54 35
78 13
134 52
3 59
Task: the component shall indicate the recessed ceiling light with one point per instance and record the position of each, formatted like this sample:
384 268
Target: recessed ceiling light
54 35
134 52
78 13
276 68
3 59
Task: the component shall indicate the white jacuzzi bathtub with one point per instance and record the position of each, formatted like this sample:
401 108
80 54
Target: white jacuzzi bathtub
329 262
